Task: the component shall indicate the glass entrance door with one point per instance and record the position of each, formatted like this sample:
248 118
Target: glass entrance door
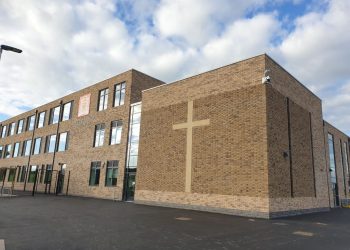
130 186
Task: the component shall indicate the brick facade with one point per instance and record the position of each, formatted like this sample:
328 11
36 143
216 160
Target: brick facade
254 149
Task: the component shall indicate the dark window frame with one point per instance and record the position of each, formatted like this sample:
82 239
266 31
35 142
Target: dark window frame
105 102
95 165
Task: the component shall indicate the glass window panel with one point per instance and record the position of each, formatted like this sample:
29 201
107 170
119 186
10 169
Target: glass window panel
99 135
32 173
27 147
62 145
95 173
55 115
31 123
41 119
12 175
37 146
8 151
3 131
103 100
12 128
16 148
111 173
20 126
67 111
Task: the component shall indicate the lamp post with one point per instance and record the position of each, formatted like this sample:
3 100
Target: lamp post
9 48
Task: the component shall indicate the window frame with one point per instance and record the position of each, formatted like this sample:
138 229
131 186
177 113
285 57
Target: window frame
14 150
22 127
48 143
99 127
118 124
105 99
121 92
12 129
29 119
3 133
65 143
35 145
44 120
52 115
70 111
112 167
96 165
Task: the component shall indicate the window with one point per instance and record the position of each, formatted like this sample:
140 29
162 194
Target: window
63 142
1 151
332 165
50 144
346 159
95 173
102 100
37 146
116 132
111 173
19 174
12 127
20 126
23 173
119 94
42 172
26 147
16 147
67 110
32 174
99 135
12 175
41 119
55 115
30 122
3 132
8 151
134 136
3 174
48 174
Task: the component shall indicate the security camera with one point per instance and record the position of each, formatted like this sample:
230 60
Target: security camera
266 79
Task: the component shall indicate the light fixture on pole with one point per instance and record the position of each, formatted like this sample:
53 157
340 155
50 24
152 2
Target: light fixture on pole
9 48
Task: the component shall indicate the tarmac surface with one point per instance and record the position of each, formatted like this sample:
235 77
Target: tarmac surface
61 222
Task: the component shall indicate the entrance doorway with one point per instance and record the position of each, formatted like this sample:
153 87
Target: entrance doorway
335 194
60 178
130 186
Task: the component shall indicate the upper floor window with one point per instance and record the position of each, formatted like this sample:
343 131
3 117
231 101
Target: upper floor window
55 115
63 142
26 147
50 143
102 100
30 123
20 126
37 146
41 119
119 94
8 151
12 127
3 131
67 110
1 151
116 132
99 135
16 148
111 173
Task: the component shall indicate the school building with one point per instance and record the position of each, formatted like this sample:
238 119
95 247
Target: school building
245 139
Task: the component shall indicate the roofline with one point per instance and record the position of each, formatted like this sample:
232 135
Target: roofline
205 72
332 126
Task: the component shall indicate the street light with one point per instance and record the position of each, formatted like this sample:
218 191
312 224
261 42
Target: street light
9 48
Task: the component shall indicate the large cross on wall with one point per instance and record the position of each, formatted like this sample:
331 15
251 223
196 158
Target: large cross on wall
189 125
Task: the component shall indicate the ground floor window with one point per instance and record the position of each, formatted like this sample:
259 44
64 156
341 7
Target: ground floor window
32 173
48 175
23 173
111 173
3 174
95 173
19 174
12 175
42 172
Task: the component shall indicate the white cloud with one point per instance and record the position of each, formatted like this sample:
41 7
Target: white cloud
70 44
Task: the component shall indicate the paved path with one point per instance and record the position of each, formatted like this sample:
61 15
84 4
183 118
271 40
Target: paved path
49 222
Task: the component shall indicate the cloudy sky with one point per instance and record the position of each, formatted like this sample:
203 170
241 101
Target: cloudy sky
70 44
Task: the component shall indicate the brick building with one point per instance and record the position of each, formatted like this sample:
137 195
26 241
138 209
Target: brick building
246 139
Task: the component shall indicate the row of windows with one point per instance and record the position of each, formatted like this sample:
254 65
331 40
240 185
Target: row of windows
55 116
45 174
94 179
119 97
35 149
111 173
115 133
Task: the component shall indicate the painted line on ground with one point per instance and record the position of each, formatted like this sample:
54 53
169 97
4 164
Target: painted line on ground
2 244
302 233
